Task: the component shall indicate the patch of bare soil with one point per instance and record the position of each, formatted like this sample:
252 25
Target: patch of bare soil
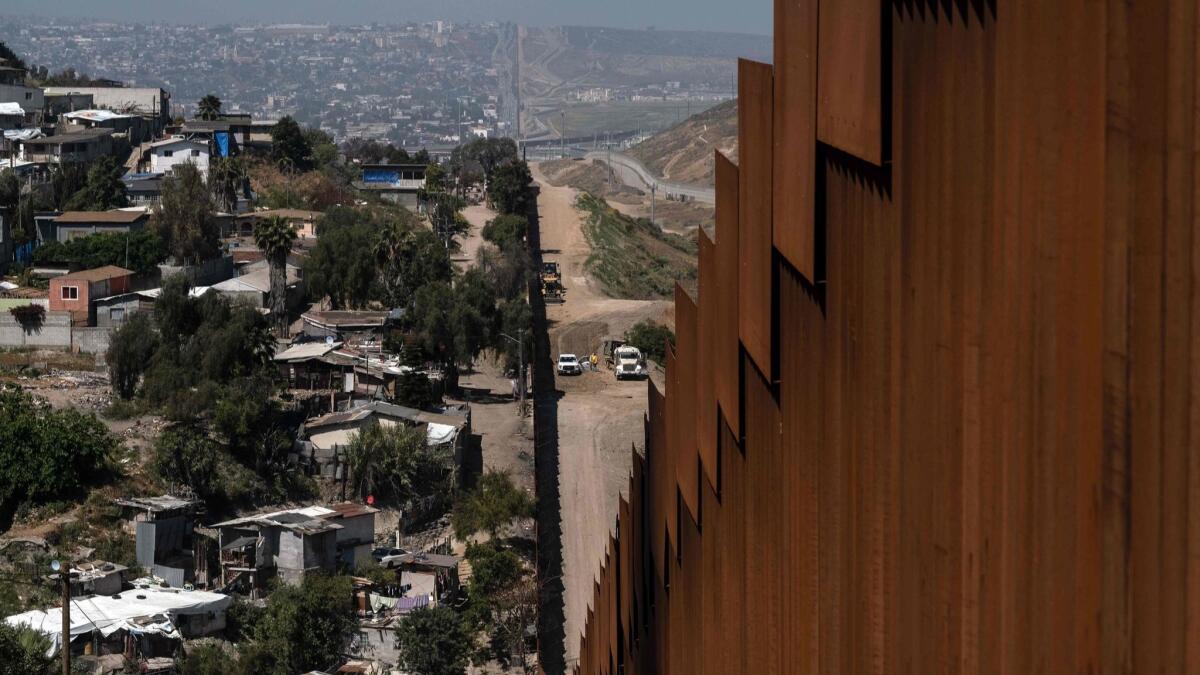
593 177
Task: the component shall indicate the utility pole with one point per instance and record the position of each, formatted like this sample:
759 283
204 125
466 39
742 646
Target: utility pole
653 193
64 575
562 135
66 623
520 340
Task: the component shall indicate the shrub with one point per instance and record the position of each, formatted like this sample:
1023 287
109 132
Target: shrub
47 454
305 627
492 505
433 642
506 230
392 463
23 650
651 338
129 353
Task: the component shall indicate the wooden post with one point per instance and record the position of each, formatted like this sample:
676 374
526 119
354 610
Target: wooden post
65 576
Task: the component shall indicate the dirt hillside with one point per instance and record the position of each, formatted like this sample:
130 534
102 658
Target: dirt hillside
684 152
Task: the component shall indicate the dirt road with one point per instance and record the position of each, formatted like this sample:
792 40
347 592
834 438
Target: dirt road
599 419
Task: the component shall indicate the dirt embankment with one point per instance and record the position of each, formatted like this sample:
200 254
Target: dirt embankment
591 177
595 178
684 153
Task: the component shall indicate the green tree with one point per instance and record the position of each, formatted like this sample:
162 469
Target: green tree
342 265
430 319
66 179
186 455
434 642
413 388
306 627
23 650
506 231
47 454
10 188
509 271
140 251
474 319
289 147
651 339
184 220
322 148
510 189
488 152
226 180
494 503
409 258
393 463
493 569
103 188
129 353
209 108
274 237
435 178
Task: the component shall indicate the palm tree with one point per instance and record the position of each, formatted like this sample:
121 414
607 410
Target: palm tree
209 108
274 237
226 178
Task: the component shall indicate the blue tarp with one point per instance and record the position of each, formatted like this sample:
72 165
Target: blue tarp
381 176
24 253
222 143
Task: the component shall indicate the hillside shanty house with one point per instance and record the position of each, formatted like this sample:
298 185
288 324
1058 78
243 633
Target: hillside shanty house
84 145
345 325
256 288
326 437
73 224
75 292
289 544
166 543
143 622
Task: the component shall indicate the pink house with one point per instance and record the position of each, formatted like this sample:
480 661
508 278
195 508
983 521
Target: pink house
74 292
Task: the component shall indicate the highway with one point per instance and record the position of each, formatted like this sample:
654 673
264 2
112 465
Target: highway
635 174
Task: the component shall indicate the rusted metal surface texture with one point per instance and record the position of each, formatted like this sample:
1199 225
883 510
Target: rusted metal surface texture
726 356
980 452
795 133
707 328
849 75
755 148
687 452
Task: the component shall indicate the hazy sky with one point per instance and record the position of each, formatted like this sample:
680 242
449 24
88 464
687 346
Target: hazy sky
746 16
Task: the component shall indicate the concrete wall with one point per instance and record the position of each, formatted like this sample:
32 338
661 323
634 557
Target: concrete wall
91 340
54 332
357 529
30 99
291 551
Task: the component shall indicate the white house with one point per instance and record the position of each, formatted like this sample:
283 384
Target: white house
164 155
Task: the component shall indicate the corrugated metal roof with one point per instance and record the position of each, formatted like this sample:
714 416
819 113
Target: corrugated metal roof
305 352
88 217
95 115
98 274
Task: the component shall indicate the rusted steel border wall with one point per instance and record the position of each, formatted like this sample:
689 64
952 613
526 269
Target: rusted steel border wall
949 420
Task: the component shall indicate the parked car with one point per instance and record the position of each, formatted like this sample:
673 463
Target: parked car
568 364
387 557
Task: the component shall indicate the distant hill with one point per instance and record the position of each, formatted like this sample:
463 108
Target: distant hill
684 153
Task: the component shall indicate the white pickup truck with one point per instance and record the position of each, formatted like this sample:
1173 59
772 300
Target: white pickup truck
628 362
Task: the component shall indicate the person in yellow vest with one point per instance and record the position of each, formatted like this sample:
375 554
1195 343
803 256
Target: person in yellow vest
595 361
